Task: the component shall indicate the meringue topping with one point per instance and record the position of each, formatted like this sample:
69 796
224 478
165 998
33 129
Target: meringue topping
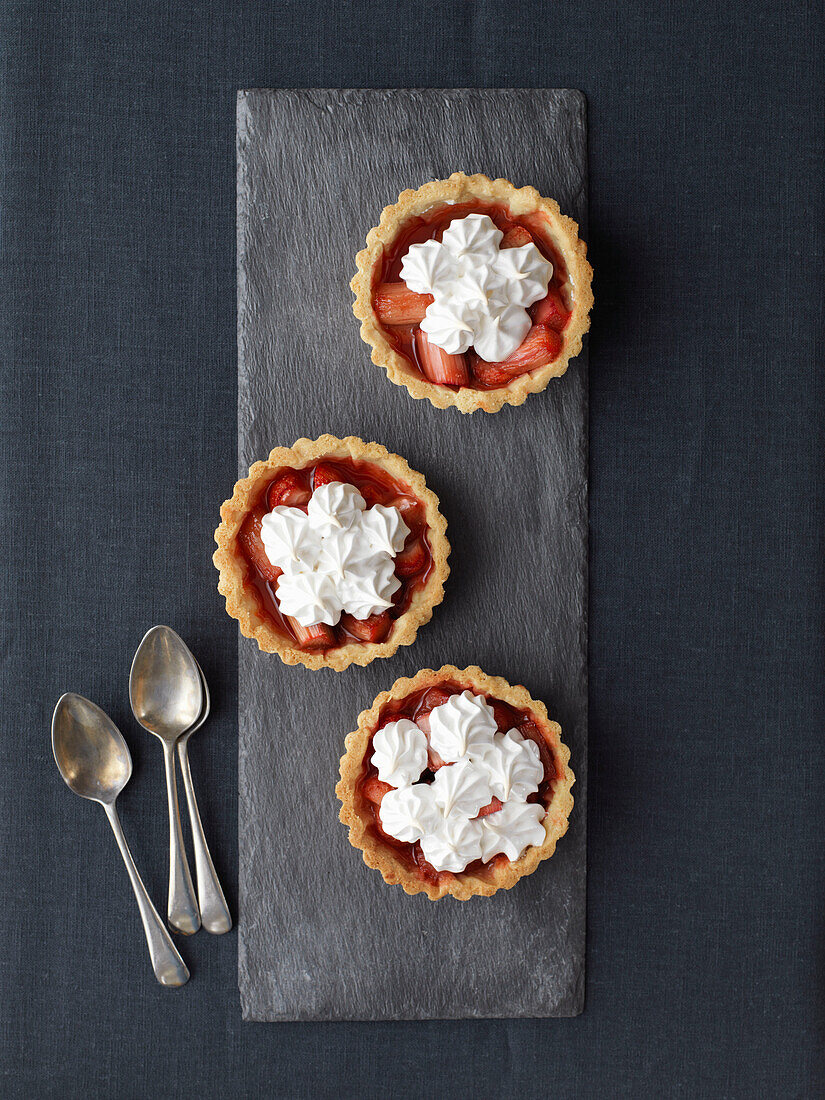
462 726
461 789
480 291
480 764
454 844
410 813
334 506
510 830
513 765
400 753
336 557
309 598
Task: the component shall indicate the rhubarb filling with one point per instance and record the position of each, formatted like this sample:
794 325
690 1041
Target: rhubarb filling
400 310
417 707
293 488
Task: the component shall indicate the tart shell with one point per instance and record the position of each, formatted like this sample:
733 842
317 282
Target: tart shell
463 885
519 201
232 566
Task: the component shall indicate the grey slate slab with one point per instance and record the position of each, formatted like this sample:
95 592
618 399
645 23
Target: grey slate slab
320 935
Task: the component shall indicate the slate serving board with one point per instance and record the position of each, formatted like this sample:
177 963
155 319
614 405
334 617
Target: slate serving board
321 937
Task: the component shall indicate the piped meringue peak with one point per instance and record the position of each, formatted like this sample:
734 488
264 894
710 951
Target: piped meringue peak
480 291
336 557
400 753
480 764
464 725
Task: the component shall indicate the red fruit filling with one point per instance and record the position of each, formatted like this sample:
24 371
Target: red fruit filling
417 708
401 310
294 488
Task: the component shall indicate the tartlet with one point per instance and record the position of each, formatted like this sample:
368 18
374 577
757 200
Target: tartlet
392 314
524 761
331 552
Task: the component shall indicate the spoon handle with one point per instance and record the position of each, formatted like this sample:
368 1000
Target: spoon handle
169 967
214 910
182 909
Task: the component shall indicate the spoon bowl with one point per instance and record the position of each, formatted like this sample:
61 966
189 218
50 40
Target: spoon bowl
89 750
165 687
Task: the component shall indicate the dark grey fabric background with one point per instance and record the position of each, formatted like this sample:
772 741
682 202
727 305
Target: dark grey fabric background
706 936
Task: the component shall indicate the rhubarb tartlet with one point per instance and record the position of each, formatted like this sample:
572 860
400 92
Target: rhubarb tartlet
472 292
331 552
455 783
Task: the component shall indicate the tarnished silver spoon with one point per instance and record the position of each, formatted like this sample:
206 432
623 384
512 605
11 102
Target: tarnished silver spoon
214 910
95 762
166 693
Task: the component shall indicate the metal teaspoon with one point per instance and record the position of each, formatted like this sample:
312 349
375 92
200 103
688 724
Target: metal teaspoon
95 762
166 694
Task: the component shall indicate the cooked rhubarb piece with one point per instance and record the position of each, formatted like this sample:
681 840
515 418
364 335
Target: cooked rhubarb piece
540 346
422 720
434 761
324 474
249 538
434 697
319 636
287 489
411 560
517 237
396 304
374 790
503 715
438 365
491 808
528 728
410 509
373 629
550 311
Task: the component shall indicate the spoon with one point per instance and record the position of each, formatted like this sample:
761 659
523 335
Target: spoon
214 910
94 761
166 694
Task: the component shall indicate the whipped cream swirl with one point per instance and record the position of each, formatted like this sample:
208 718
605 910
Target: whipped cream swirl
513 766
399 753
480 291
516 826
463 725
336 557
480 764
454 844
409 813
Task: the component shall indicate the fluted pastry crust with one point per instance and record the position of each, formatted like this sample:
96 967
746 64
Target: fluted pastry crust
519 201
357 814
232 566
